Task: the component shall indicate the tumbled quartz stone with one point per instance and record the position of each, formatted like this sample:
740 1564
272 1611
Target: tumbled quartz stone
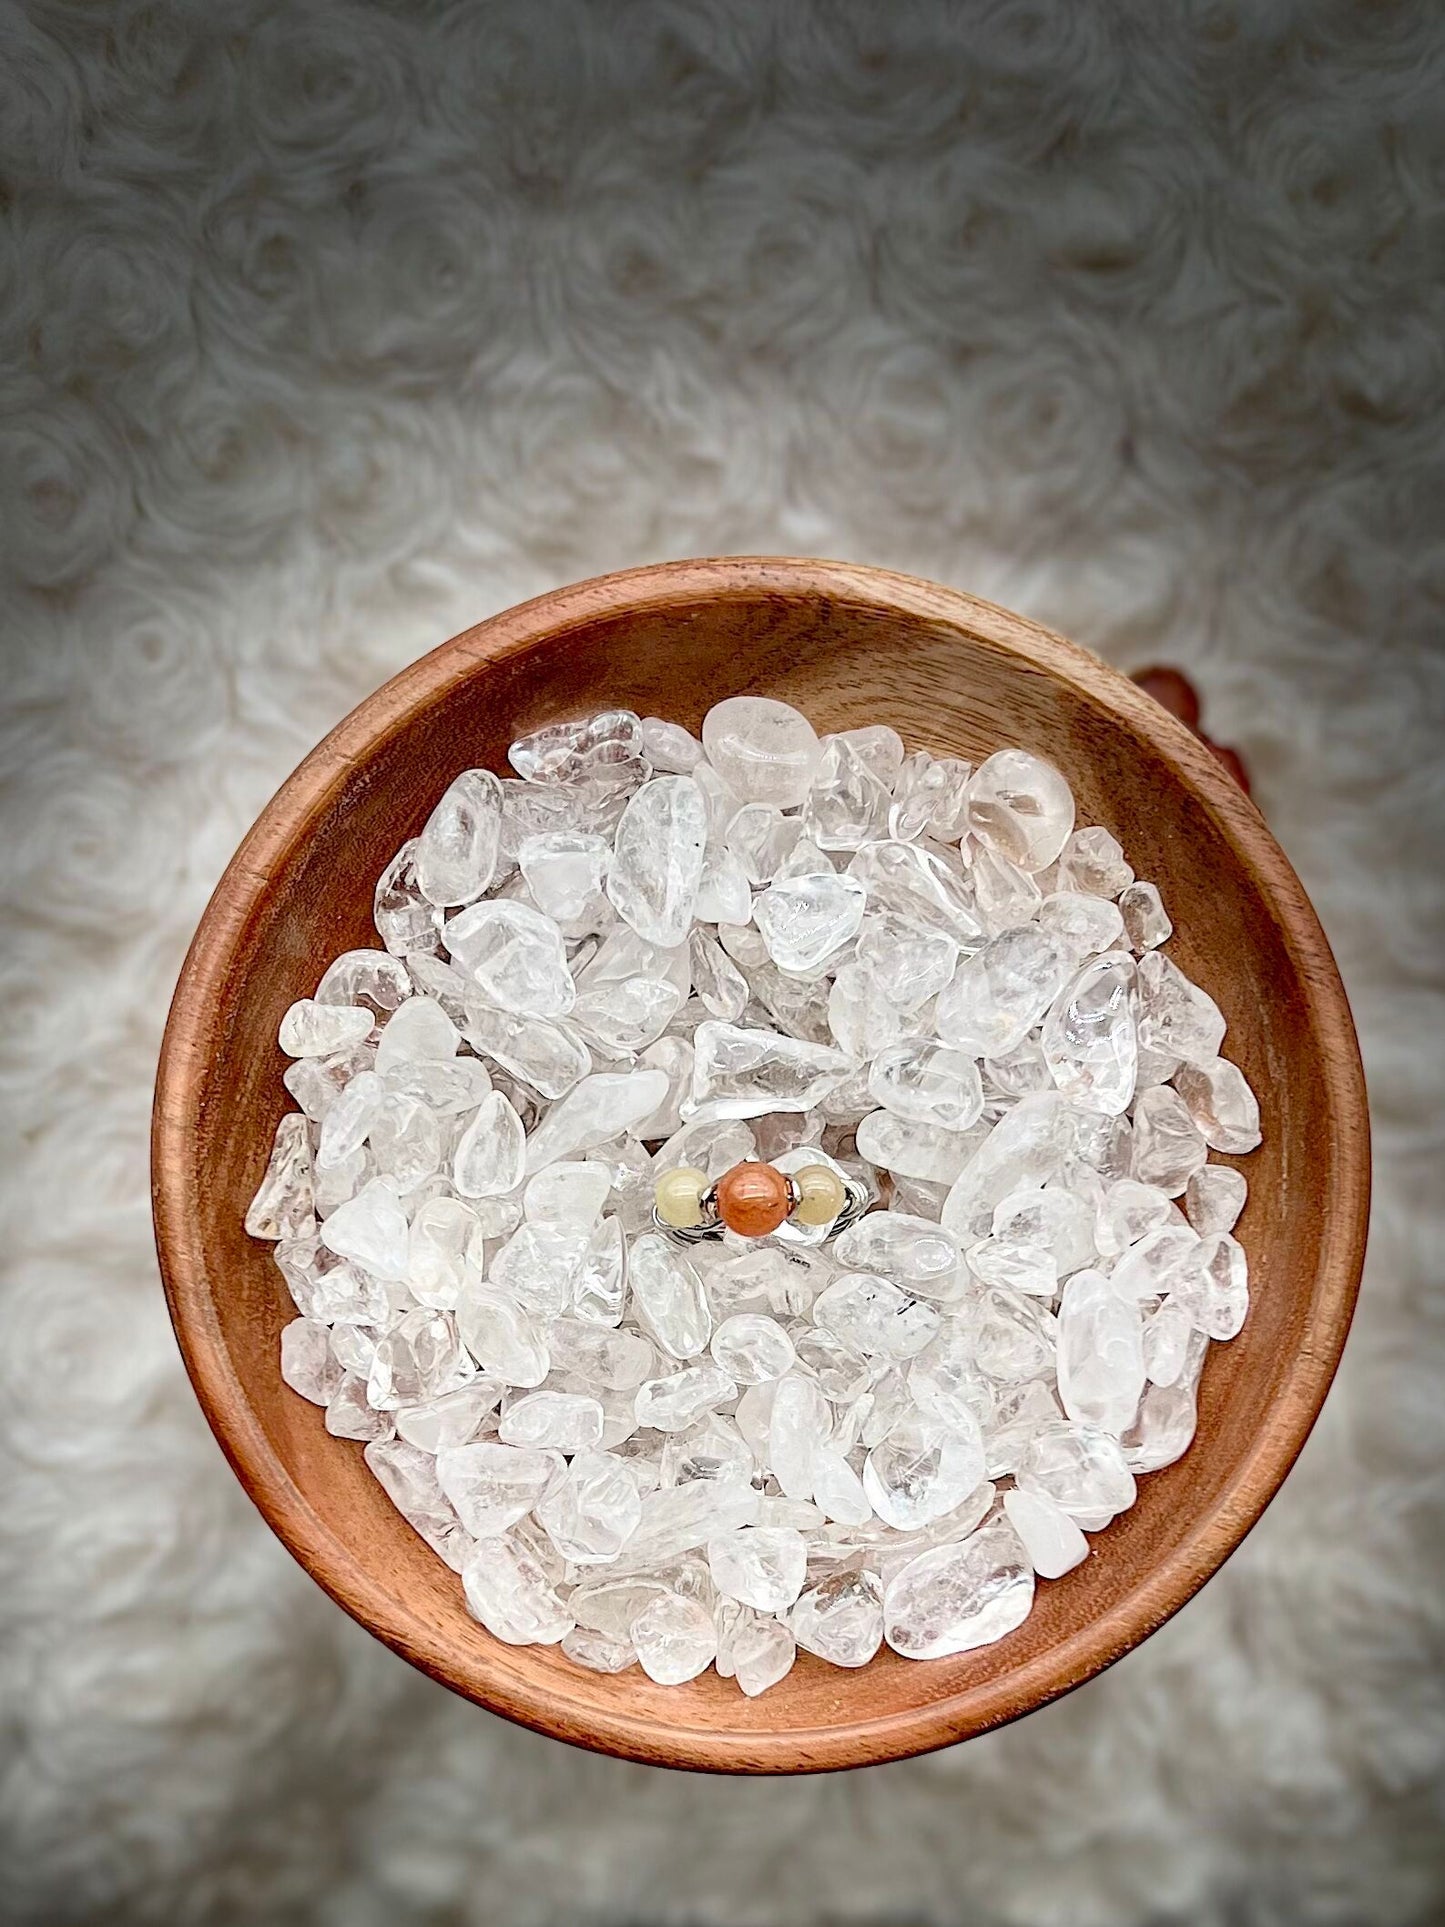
800 1417
669 1297
405 1142
1014 1267
1004 895
1053 1542
912 1150
1056 1219
908 963
921 1257
862 1017
319 1030
569 1194
308 1364
508 1590
848 803
674 1638
677 1519
1221 1103
564 870
657 860
805 920
493 1486
765 751
597 1652
283 1207
371 1230
1146 922
405 920
451 1418
741 1073
327 1287
724 894
929 1083
945 1383
594 1112
1212 1286
874 1317
670 747
365 977
592 1510
420 1358
449 1088
420 1032
1175 1015
1168 1145
760 1651
1167 1332
456 853
1081 1469
1093 863
921 1470
601 753
491 1153
1000 993
1127 1212
542 1054
717 980
673 1404
761 1566
1214 1198
1020 807
350 1414
1149 1267
751 1349
760 837
538 1266
409 1479
1101 1353
917 884
840 1620
955 1598
928 798
505 1339
1090 1040
514 955
1026 1146
565 1421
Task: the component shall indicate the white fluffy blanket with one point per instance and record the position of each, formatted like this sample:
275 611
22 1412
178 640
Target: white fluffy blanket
329 328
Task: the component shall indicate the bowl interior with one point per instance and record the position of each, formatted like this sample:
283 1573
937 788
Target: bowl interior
952 676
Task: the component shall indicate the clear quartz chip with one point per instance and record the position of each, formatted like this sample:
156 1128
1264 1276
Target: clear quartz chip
848 803
1175 1015
1101 1353
1081 1469
564 1421
456 853
1146 922
1052 1540
874 1317
806 920
515 957
921 1470
505 1339
765 751
669 1297
408 1476
761 1566
955 1598
590 1511
284 1204
1221 1103
925 1082
742 1072
508 1589
1212 1287
493 1486
674 1638
1168 1146
365 977
1090 1040
542 1054
407 922
491 1153
840 1620
673 1404
1021 808
1026 1146
657 859
597 1652
669 747
594 1112
1214 1198
565 871
371 1230
912 1150
761 1651
761 838
308 1364
1000 992
594 757
921 1257
418 1359
1093 863
319 1030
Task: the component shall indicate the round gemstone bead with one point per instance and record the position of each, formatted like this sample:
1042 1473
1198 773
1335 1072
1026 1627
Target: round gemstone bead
821 1195
679 1197
753 1199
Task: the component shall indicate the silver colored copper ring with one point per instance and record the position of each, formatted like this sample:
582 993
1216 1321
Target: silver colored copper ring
857 1200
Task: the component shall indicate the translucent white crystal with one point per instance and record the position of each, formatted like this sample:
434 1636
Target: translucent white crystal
945 1383
674 1638
1221 1103
921 1257
597 1652
1090 1040
491 1153
765 751
913 1150
673 1404
927 1083
592 1509
761 838
599 1284
719 983
873 1316
799 1420
1000 993
847 805
493 1486
1101 1354
1082 1470
1093 863
1026 1146
1166 1342
841 1618
447 1087
1146 922
804 920
570 1195
566 1421
917 884
508 1590
542 1054
371 1229
593 1112
307 1362
657 859
317 1030
350 1414
1212 1286
740 1073
1028 1268
1148 1268
928 798
1058 1220
538 1266
1168 1145
408 1477
761 1651
283 1206
862 1017
1004 895
922 1470
328 1288
505 1339
1081 926
1175 1015
406 921
668 746
1214 1198
681 1517
365 977
595 756
669 1296
1053 1542
1126 1212
762 1566
907 962
514 955
456 854
1021 807
565 870
955 1598
451 1418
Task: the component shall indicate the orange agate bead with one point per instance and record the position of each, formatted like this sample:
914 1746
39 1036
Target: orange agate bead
753 1199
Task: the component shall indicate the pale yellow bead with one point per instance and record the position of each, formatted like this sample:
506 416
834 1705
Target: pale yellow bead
679 1197
821 1195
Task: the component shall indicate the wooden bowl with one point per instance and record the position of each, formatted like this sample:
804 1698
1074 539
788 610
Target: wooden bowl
848 645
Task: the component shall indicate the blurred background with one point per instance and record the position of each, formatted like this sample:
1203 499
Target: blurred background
327 329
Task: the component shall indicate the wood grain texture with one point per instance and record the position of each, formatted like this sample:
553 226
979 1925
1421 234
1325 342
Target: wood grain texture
848 645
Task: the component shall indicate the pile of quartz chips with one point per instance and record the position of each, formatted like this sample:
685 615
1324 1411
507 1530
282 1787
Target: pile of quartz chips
643 951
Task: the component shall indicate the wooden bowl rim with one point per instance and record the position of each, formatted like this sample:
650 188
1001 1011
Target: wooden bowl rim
336 1567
